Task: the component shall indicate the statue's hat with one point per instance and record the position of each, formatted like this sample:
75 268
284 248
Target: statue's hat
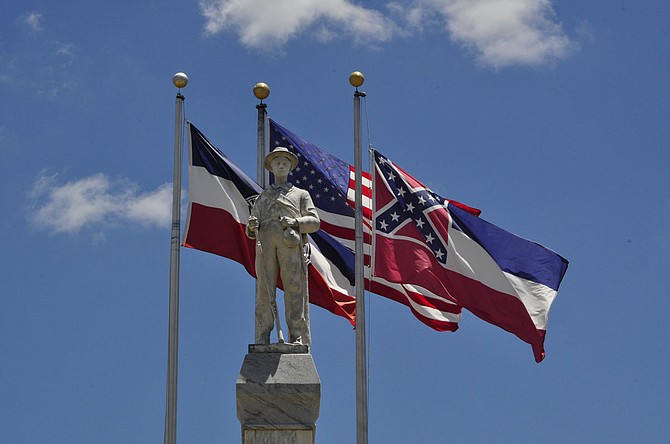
281 151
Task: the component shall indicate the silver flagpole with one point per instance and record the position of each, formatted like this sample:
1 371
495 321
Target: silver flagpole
261 91
170 436
356 79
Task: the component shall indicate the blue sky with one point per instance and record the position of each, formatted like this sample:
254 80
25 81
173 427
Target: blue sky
550 116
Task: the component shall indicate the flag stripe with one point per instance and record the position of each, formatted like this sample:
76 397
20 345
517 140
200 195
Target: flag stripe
211 191
228 240
366 192
207 156
511 253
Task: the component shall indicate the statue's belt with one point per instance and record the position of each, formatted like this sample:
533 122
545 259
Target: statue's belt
290 235
271 221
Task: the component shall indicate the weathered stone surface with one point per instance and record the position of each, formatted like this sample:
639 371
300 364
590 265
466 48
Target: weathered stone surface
279 348
261 436
278 391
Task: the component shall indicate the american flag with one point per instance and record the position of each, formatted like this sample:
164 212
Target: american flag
330 182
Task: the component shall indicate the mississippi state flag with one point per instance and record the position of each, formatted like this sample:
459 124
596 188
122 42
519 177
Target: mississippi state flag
220 200
424 240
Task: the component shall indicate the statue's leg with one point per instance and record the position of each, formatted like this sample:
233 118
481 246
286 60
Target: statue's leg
266 283
295 293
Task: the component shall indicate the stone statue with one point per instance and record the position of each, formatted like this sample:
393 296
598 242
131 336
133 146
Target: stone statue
280 220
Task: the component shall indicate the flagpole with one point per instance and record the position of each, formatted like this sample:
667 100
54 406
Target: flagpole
356 79
261 91
170 436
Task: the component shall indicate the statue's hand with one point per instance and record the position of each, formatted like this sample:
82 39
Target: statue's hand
252 225
288 222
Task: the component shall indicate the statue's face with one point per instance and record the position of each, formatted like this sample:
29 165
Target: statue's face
280 166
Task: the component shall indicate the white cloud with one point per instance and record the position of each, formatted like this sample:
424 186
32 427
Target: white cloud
270 24
152 208
34 21
97 201
65 50
505 32
499 33
415 16
38 63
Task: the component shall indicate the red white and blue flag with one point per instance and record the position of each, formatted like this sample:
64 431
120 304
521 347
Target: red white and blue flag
220 200
425 240
330 182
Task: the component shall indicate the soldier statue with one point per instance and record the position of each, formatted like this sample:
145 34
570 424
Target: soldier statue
280 220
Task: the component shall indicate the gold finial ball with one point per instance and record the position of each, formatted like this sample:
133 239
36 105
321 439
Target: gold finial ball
261 91
180 80
356 79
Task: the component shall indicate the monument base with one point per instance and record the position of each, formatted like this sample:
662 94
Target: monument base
277 436
278 395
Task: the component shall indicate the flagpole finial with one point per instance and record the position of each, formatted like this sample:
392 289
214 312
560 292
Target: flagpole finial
261 91
356 79
180 80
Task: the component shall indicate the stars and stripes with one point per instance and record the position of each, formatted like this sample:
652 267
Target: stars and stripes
329 181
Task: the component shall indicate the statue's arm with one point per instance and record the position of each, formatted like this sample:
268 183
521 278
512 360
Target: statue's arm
309 221
252 224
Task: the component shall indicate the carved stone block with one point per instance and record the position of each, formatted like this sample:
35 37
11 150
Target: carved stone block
278 395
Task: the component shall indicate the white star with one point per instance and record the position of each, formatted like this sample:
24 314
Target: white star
410 207
383 225
391 175
422 201
419 223
439 254
318 195
430 238
304 177
395 217
402 192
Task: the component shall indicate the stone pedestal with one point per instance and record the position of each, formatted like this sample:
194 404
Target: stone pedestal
278 395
